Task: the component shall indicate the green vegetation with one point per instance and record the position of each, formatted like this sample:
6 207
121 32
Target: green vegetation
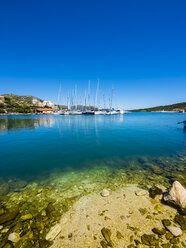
11 103
172 107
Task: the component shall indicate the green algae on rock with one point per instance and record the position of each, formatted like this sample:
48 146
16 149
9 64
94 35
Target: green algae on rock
158 231
119 235
9 215
181 220
154 191
166 222
106 233
149 239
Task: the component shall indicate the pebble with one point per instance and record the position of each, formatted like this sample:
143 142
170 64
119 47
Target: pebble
14 237
105 192
141 193
26 217
54 231
176 231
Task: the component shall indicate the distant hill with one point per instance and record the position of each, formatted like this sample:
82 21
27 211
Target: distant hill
26 99
172 107
12 103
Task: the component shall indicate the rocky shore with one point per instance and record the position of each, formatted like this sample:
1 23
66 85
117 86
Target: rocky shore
99 207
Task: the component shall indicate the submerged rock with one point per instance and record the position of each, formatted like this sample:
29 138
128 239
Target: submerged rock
18 184
119 235
103 244
149 239
4 189
105 192
54 231
159 231
2 211
154 191
10 215
166 223
181 220
176 231
106 233
50 210
26 217
14 237
177 195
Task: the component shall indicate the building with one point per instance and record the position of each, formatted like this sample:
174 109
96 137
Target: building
44 111
48 103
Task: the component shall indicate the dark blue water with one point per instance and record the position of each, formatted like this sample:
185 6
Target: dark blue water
32 145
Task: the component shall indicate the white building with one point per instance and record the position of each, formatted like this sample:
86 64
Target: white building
35 101
48 103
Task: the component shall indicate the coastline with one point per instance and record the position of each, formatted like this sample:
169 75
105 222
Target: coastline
69 209
127 213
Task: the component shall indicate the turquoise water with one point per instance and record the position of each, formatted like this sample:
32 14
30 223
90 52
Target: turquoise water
31 146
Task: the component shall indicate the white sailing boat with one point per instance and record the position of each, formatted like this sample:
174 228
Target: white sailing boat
99 110
59 101
76 111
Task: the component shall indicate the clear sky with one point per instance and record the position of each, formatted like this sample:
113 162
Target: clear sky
137 46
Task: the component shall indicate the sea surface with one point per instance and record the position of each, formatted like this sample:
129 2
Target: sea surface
48 163
33 145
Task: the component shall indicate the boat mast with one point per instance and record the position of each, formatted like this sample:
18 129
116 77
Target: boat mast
85 100
68 103
98 94
76 95
72 100
97 97
89 93
112 97
104 101
59 100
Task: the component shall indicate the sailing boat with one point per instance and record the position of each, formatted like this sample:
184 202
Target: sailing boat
59 101
99 111
112 111
88 111
76 111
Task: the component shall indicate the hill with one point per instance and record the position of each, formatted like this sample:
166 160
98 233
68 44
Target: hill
26 99
11 103
172 107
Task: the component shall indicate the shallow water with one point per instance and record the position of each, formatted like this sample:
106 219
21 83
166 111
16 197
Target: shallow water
33 145
48 163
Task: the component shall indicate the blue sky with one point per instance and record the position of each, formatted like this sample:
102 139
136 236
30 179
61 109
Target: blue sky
137 46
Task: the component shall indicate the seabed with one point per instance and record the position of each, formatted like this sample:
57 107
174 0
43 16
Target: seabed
64 208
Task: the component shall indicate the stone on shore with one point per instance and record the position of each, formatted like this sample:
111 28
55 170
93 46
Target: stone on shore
14 237
177 195
141 192
105 192
54 231
176 231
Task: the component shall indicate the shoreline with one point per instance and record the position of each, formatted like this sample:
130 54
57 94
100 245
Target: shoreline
71 209
127 213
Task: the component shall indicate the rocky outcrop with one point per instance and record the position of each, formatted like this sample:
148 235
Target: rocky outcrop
176 196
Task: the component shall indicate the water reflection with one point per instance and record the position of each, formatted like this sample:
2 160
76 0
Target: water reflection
15 124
